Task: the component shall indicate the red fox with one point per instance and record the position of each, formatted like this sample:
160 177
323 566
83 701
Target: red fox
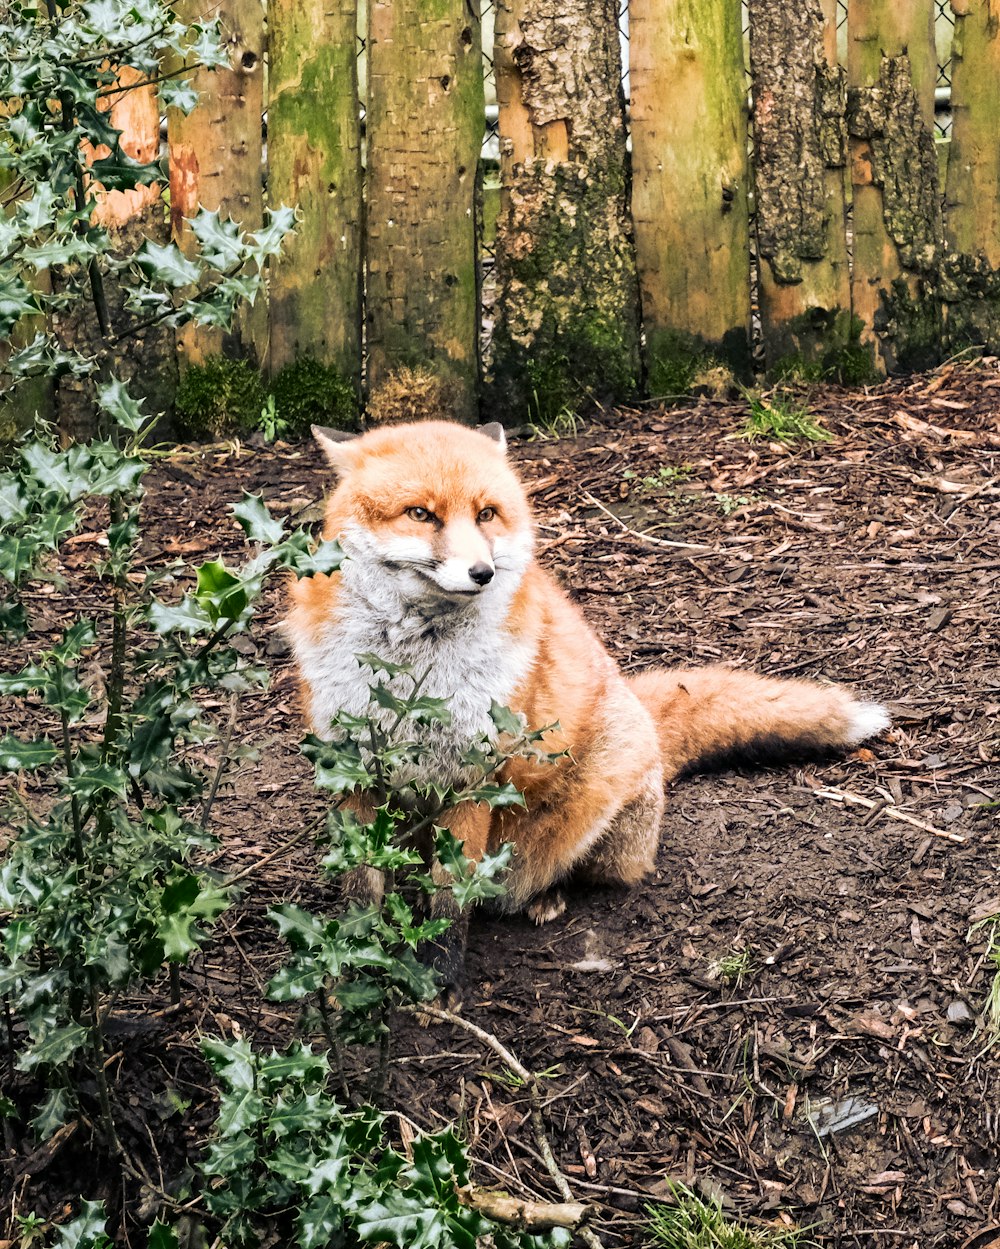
440 575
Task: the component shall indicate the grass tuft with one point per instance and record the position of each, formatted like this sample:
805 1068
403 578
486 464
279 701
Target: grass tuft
782 418
734 967
694 1223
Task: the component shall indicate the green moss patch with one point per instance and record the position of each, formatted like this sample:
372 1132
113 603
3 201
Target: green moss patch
222 397
219 398
307 392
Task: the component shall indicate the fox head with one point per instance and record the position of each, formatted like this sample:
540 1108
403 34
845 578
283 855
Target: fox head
434 507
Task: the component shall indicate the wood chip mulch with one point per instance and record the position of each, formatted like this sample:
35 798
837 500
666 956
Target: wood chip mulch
789 1015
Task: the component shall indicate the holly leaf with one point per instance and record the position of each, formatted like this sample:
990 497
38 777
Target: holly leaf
166 264
55 1049
86 1231
25 756
221 241
297 1065
186 901
232 1062
220 593
506 721
178 94
302 930
161 1237
114 398
257 522
187 616
53 1112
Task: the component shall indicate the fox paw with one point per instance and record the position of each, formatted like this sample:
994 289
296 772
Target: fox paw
450 999
547 906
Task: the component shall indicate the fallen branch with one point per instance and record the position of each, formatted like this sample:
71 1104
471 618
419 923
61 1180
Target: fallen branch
530 1081
894 813
286 847
645 537
529 1216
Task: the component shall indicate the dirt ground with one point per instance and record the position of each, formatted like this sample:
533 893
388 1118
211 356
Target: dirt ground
788 1014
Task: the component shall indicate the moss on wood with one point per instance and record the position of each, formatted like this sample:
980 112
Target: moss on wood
689 197
567 307
897 210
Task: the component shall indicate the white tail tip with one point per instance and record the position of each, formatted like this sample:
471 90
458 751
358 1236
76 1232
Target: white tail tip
866 720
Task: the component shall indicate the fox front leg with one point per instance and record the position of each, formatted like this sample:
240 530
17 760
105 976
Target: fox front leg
470 823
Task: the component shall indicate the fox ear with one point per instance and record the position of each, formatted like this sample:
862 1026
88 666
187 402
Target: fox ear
495 431
337 446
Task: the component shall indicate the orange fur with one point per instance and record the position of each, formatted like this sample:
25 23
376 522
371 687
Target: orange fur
598 811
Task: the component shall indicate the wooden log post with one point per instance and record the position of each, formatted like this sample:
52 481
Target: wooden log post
314 162
689 191
216 163
800 158
567 322
891 69
971 286
425 123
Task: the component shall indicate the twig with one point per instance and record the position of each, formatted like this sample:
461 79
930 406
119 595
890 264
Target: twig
894 813
283 849
227 738
645 537
530 1216
588 1237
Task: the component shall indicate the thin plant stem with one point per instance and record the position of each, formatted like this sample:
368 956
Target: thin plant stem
224 744
119 639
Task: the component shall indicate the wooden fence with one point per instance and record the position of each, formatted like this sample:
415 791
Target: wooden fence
816 226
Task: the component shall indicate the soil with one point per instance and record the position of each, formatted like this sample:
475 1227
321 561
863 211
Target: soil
788 1015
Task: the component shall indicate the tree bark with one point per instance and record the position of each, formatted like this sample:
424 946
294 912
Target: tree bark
800 145
689 195
314 162
892 67
215 162
972 199
567 296
425 128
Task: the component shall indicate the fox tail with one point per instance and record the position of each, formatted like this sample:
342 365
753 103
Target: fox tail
711 716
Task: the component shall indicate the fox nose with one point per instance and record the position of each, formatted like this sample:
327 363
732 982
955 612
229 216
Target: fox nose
481 574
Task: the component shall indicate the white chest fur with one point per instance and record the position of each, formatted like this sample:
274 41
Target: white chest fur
463 651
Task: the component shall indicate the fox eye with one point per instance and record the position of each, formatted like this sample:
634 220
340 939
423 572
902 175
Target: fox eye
486 515
420 513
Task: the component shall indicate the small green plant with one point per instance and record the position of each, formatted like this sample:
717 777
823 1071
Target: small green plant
991 1005
271 424
308 393
780 417
694 1223
86 1231
734 967
219 398
564 423
729 503
665 477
